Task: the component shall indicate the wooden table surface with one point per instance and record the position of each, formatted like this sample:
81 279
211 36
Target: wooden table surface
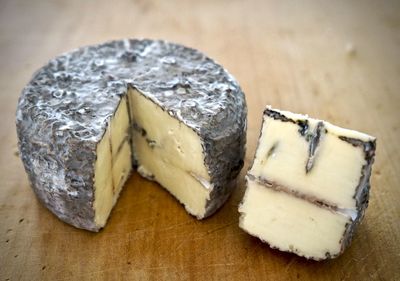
335 60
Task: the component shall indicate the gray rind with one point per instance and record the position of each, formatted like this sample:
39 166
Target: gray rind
64 110
362 191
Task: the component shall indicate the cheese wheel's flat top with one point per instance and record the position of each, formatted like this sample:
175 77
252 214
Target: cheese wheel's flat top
78 91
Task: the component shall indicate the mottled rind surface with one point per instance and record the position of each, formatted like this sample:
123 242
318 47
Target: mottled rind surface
64 110
362 192
361 195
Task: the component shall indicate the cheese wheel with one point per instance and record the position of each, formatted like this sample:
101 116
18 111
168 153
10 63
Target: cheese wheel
89 116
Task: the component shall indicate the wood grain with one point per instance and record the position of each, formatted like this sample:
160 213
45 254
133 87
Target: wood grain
336 60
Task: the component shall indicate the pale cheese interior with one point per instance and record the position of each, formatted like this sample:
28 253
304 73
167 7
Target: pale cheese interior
337 165
113 164
296 207
291 224
169 153
103 182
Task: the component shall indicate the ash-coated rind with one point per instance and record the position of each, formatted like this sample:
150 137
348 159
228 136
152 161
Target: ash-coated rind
65 109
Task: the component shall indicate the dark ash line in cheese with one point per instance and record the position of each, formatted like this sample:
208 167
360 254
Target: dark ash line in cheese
272 149
280 188
127 138
351 225
314 139
130 134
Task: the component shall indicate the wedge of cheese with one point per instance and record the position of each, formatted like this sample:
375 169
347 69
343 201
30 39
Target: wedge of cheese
90 116
308 187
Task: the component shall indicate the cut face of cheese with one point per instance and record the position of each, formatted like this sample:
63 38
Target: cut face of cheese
121 167
103 182
113 164
165 149
120 126
170 153
293 224
331 174
310 178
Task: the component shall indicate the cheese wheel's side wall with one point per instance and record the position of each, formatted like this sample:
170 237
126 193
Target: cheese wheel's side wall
61 173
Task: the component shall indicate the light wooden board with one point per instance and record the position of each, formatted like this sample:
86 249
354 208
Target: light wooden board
336 60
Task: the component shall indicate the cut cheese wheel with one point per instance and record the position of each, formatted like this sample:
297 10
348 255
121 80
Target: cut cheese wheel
89 116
